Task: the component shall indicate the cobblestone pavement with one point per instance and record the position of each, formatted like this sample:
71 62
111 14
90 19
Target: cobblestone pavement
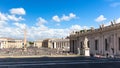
30 52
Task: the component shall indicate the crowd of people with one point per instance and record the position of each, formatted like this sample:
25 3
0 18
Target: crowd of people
31 51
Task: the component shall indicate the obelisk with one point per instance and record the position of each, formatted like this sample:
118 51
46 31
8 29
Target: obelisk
25 44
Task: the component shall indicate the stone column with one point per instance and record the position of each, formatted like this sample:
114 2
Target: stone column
75 46
70 46
101 44
111 44
54 45
115 43
78 46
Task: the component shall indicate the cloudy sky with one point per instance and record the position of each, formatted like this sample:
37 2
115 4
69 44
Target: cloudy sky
54 18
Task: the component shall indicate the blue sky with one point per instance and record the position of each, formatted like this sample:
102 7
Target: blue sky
54 18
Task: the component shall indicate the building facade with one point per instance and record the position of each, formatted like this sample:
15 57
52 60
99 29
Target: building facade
46 43
102 41
38 43
10 43
60 44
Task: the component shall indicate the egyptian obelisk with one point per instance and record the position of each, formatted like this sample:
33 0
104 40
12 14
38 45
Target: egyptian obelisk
25 44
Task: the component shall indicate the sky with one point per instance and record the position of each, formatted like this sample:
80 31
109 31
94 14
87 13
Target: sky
54 18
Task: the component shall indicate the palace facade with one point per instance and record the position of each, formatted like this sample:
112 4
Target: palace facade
60 44
102 41
38 43
10 43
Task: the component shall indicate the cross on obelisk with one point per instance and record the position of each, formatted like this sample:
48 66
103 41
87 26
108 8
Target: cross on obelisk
25 44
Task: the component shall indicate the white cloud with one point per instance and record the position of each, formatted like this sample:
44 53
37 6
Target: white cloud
75 27
3 19
11 31
33 32
118 20
45 32
115 4
8 17
109 23
43 27
36 32
56 18
14 18
100 18
71 15
64 17
20 25
67 18
2 23
41 21
18 11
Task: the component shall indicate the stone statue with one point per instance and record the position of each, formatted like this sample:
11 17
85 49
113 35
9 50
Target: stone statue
112 23
85 42
86 51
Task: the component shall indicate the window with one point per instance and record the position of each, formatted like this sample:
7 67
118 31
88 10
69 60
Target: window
96 44
81 45
119 43
106 45
11 41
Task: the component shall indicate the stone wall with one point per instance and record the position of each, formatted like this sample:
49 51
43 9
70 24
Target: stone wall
102 41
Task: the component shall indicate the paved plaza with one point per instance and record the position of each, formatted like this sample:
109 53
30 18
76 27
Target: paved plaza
31 52
59 62
51 58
